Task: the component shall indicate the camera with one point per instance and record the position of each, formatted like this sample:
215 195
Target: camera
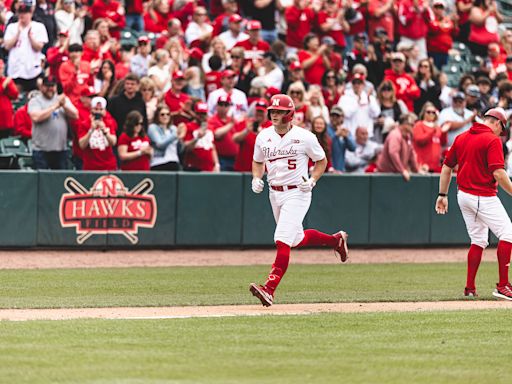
97 116
255 126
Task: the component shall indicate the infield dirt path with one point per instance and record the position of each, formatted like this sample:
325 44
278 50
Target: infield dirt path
168 258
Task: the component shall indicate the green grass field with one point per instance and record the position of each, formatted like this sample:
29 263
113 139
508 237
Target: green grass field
424 347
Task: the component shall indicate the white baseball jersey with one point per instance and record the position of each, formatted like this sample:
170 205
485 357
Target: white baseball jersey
287 157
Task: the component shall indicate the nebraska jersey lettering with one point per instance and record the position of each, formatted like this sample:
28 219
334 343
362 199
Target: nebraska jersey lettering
287 157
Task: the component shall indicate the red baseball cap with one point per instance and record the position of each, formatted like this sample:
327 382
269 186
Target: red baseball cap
178 75
501 115
271 91
253 25
88 92
143 40
196 53
224 99
201 107
295 65
358 76
227 73
235 18
261 105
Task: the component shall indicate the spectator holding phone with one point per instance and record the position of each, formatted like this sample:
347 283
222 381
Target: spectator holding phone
135 151
97 136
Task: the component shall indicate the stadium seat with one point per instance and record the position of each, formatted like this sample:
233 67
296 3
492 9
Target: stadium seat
12 150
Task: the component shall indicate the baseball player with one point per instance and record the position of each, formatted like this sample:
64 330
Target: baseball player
285 149
479 155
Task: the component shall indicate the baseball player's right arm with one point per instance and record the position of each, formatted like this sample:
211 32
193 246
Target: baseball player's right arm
503 180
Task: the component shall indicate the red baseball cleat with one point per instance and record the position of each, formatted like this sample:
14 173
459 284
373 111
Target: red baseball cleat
342 247
262 293
470 293
503 292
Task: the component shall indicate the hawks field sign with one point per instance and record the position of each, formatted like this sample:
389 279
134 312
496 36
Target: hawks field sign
107 208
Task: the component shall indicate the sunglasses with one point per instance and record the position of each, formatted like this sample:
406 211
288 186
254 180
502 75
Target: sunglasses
424 66
236 57
330 77
430 112
139 123
384 89
295 92
223 104
146 89
165 114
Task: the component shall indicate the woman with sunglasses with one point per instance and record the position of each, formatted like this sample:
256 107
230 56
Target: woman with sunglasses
390 110
165 140
332 88
427 81
302 115
429 138
134 149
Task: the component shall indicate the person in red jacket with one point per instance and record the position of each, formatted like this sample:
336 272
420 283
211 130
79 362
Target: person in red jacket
413 17
97 136
221 22
92 53
300 19
223 128
313 59
157 16
332 23
75 74
113 11
134 148
405 86
429 138
441 31
200 152
478 153
8 92
58 54
179 102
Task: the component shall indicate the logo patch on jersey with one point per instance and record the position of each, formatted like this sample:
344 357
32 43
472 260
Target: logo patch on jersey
269 140
295 141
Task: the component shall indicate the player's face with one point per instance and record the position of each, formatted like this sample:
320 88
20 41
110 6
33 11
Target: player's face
276 117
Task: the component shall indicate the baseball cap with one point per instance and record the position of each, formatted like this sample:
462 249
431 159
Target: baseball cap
178 75
227 73
336 110
473 90
361 36
404 46
201 107
459 95
75 48
380 32
49 80
25 8
500 114
253 25
98 100
261 105
398 56
271 91
295 66
328 40
226 99
196 53
358 77
439 3
88 92
484 80
143 40
235 18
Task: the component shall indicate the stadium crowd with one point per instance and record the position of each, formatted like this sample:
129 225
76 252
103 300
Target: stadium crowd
184 84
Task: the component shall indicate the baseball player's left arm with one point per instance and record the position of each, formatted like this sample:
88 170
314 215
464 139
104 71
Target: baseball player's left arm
444 185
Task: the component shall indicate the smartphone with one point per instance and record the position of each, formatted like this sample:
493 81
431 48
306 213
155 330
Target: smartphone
97 116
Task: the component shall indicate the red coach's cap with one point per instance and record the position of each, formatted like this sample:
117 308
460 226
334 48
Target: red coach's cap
500 114
253 25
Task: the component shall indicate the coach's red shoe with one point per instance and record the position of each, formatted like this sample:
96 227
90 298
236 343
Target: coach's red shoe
342 247
262 293
503 292
470 293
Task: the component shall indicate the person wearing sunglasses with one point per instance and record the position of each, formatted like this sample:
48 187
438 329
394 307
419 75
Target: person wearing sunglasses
134 148
165 140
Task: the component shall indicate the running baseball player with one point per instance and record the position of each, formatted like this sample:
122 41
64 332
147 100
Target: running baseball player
479 155
285 149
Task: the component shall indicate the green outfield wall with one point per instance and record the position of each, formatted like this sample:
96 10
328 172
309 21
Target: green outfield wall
166 210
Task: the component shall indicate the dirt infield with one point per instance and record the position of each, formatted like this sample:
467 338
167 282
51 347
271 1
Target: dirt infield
37 259
161 258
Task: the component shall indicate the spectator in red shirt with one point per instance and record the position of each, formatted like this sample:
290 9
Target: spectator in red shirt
254 46
405 86
8 93
332 88
300 19
441 31
75 74
111 10
429 138
157 16
221 22
332 23
223 128
380 15
58 54
484 19
414 16
177 100
200 152
246 136
173 31
97 136
463 9
134 147
134 19
314 59
91 51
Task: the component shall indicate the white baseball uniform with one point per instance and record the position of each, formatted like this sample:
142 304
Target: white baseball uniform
286 159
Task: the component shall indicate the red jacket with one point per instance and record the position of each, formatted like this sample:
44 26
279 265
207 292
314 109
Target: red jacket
411 23
478 152
55 58
440 35
428 142
100 9
23 123
405 87
300 22
159 24
134 7
73 80
10 92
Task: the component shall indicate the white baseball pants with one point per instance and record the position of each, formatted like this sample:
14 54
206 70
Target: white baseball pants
289 209
482 213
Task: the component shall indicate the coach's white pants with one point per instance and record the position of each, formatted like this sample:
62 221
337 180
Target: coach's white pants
482 213
289 209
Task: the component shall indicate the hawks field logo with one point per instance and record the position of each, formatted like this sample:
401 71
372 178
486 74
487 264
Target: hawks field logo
108 207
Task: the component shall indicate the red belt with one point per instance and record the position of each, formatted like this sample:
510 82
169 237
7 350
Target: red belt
282 188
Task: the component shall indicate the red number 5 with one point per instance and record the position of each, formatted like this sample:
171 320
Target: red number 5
292 163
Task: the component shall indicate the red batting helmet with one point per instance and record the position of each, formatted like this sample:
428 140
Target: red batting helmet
282 103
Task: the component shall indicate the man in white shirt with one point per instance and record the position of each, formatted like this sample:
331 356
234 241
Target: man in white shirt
24 40
457 116
139 64
240 106
284 150
234 34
